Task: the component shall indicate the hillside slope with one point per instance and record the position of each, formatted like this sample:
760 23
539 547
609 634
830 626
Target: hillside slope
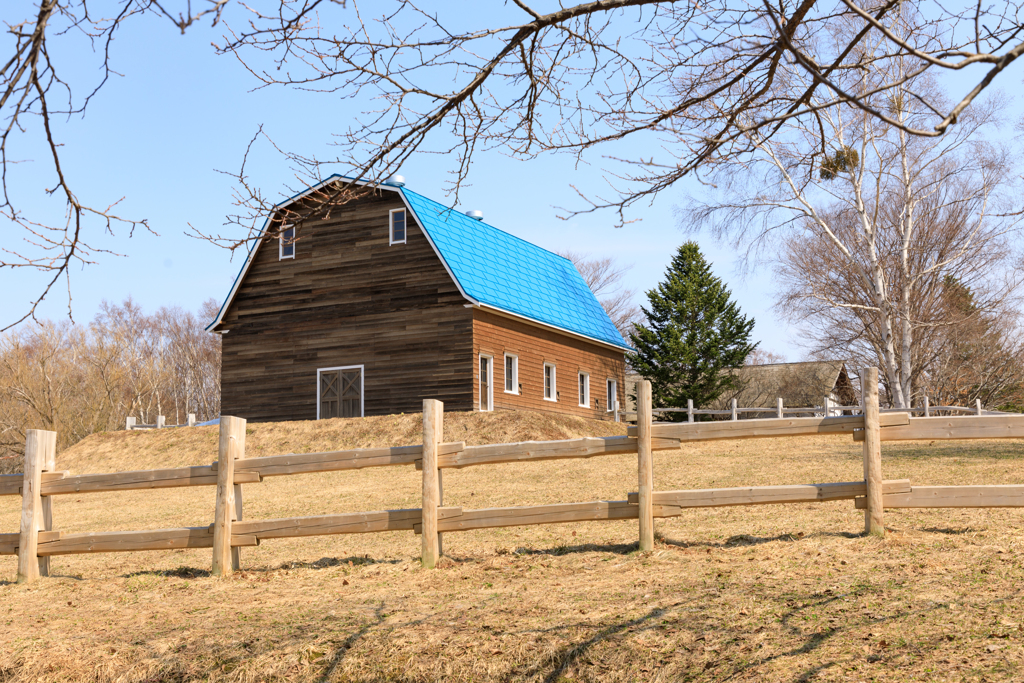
177 447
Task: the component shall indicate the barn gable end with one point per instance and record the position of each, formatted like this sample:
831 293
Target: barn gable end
347 298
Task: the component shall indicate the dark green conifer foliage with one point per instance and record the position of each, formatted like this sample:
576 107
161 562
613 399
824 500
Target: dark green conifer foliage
694 333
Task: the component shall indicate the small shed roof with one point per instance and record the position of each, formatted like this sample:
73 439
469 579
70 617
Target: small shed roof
799 384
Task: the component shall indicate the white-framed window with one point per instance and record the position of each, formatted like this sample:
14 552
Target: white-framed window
486 397
612 394
286 243
397 226
584 389
339 392
511 374
550 388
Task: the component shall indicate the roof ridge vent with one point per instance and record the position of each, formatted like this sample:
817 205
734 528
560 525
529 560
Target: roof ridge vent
396 180
476 214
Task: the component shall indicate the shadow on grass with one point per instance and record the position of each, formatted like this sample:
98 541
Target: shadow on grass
323 563
328 562
613 548
558 550
564 657
950 532
348 643
749 540
178 573
818 638
733 541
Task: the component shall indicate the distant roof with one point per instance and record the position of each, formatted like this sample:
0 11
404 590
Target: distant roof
495 269
798 384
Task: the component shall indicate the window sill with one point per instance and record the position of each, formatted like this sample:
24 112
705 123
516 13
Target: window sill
513 393
551 400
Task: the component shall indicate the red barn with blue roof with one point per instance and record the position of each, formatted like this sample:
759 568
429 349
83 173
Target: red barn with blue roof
367 306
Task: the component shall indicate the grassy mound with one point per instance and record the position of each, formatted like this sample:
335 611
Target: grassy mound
122 450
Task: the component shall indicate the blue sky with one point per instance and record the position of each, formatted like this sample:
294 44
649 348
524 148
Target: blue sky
158 134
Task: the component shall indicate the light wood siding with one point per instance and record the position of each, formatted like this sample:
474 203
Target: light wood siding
495 335
347 298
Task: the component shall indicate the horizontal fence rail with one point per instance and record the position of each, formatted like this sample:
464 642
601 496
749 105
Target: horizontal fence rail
528 451
770 495
1006 496
766 428
956 427
37 541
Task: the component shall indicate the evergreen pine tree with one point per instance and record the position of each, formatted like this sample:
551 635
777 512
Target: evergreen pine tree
694 334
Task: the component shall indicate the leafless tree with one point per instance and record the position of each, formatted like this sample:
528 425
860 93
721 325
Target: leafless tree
658 89
761 356
81 379
869 227
34 94
835 307
978 356
605 278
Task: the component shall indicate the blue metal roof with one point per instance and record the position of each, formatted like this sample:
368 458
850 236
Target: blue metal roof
509 273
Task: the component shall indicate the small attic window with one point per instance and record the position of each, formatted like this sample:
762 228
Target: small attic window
397 226
287 242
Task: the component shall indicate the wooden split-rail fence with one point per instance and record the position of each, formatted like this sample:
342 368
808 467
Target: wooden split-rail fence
38 540
131 423
828 408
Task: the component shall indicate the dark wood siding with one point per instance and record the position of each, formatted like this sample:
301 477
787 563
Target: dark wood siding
347 298
496 335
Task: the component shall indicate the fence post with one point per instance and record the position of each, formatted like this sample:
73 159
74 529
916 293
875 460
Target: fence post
191 419
927 408
689 410
778 408
160 421
231 447
873 517
433 429
828 406
440 503
36 442
977 404
645 465
46 502
733 408
236 552
129 423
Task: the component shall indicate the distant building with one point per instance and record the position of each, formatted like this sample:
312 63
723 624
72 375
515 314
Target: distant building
380 302
799 384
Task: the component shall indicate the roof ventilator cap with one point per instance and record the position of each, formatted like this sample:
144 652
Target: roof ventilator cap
476 214
396 180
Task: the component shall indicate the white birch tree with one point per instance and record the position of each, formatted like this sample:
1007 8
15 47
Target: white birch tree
866 221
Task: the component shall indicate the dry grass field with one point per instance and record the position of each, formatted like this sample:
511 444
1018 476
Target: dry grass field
771 593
